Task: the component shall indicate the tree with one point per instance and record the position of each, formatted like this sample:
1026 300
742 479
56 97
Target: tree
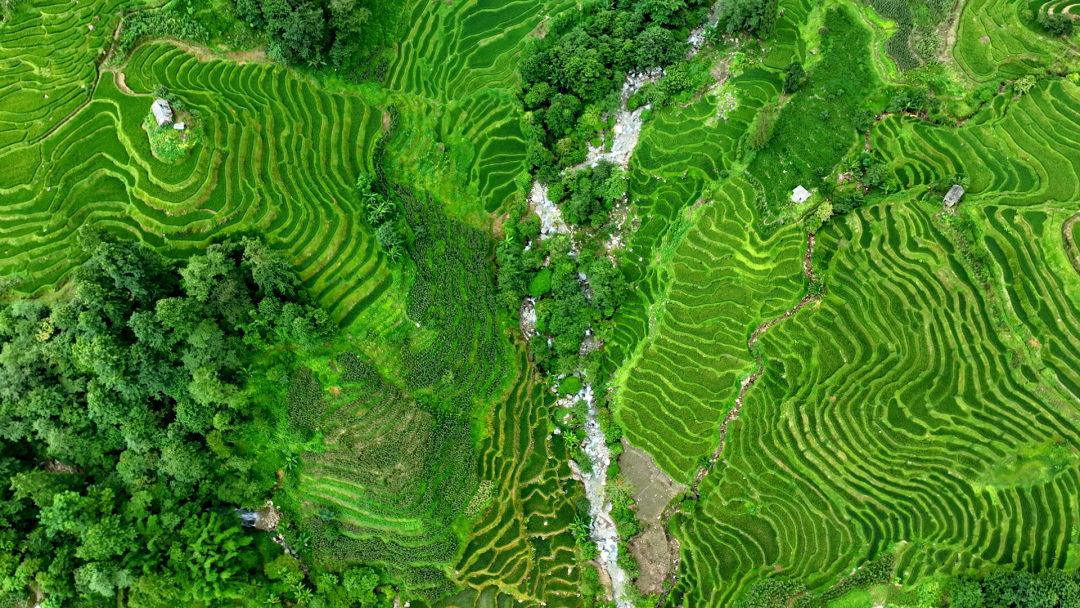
794 74
7 8
743 16
761 131
360 585
387 237
662 11
270 271
876 175
656 46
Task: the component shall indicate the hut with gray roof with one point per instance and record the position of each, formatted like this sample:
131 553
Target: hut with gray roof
162 112
953 195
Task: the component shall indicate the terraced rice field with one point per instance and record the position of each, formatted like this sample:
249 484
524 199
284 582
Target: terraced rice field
926 405
1056 7
991 39
454 50
38 90
901 416
521 545
725 281
1021 153
681 151
460 60
278 156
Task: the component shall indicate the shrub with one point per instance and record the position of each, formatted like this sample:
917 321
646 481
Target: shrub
846 202
876 175
1025 84
570 385
167 143
761 131
158 23
1058 24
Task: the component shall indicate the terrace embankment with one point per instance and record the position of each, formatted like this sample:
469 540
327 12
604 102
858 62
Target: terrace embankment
808 269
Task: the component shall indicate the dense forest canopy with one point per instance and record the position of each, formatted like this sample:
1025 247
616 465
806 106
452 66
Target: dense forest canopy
126 426
574 73
310 33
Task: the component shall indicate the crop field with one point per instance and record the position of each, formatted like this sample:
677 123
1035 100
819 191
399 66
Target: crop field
1017 151
460 356
991 39
725 281
453 50
680 152
468 152
917 419
392 481
898 46
521 544
40 88
921 415
660 327
459 60
279 156
816 129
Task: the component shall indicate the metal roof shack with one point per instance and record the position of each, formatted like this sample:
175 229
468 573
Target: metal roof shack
162 112
953 195
800 194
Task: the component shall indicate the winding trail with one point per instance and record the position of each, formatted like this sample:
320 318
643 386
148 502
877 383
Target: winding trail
808 269
1072 249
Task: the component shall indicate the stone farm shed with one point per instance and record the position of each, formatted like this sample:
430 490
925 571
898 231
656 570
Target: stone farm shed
162 112
800 194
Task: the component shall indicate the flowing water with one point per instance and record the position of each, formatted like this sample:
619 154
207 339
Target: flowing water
603 531
627 131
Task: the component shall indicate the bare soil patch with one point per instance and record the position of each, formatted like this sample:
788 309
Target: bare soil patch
653 489
121 84
255 55
653 554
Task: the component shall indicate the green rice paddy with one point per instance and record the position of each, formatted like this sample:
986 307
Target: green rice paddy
920 417
925 417
992 42
279 156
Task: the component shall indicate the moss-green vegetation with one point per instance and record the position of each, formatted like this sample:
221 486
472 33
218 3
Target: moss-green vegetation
167 143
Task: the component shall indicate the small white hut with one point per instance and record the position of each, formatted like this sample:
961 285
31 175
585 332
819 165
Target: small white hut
162 112
953 195
800 194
